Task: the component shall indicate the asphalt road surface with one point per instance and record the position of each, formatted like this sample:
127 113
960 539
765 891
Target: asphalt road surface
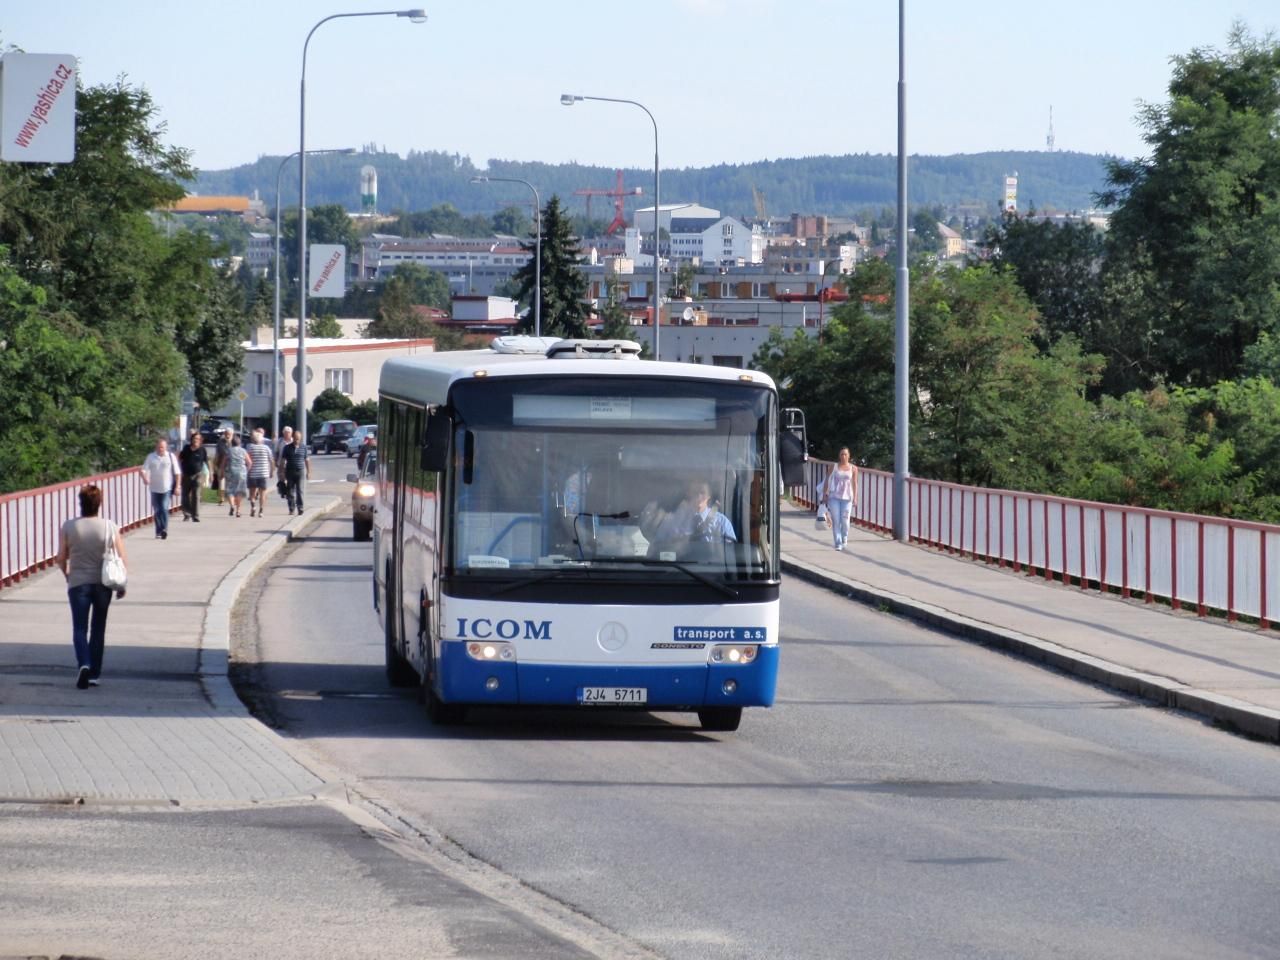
910 795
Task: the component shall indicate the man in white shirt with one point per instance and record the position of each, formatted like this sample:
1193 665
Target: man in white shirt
161 474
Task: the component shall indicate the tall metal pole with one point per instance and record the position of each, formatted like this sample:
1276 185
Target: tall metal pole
277 371
568 99
902 330
537 254
415 16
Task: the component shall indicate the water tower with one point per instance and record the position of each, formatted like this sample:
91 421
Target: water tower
368 189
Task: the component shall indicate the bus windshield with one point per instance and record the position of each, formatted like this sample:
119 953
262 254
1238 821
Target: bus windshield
620 478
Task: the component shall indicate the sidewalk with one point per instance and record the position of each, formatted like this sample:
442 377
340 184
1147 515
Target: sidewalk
164 726
1230 674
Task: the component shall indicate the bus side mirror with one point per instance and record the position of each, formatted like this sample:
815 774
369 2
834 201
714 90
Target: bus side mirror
435 443
791 452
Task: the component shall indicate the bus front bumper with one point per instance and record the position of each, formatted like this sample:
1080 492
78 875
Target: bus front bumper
684 686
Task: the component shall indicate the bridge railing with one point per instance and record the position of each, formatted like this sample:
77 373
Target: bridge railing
1211 563
31 520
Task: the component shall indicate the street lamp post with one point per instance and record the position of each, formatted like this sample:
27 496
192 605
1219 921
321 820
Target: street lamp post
568 100
415 16
277 371
902 330
537 254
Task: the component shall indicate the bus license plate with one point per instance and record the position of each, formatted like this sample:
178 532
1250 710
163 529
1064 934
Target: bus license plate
613 696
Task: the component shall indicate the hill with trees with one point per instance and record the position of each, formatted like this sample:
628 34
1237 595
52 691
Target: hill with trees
843 185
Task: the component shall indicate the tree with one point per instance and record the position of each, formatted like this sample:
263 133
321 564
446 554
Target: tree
396 314
1197 223
330 404
564 285
366 411
326 325
927 236
108 284
326 223
1058 267
427 287
616 320
511 221
682 283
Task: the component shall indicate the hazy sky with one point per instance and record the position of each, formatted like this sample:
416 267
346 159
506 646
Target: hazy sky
728 80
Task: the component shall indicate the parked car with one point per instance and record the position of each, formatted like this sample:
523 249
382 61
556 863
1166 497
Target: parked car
332 435
357 438
362 497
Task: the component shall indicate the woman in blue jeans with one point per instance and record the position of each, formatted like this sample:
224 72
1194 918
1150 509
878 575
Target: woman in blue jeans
84 542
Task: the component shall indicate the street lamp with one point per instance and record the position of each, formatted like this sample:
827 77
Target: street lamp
902 330
414 16
277 372
537 254
568 100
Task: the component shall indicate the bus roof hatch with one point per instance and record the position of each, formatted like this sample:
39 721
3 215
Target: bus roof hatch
594 350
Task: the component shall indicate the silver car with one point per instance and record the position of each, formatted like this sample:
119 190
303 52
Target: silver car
356 440
362 497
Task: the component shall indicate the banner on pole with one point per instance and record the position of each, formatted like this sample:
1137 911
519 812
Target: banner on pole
38 107
327 276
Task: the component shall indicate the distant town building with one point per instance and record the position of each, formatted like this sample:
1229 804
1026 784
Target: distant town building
250 210
260 252
951 244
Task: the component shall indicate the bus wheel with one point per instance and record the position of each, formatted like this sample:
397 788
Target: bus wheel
400 672
361 530
720 718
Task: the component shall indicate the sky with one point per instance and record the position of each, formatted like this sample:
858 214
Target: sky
728 81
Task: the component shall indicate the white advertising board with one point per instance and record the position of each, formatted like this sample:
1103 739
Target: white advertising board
38 107
327 271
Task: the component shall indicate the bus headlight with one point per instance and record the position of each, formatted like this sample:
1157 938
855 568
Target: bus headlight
490 650
734 653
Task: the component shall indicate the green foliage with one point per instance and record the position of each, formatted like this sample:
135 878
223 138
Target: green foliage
512 221
1198 222
364 412
564 285
329 404
106 319
615 321
842 185
427 287
326 325
396 314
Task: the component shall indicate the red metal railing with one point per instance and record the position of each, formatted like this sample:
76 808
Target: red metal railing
1209 562
31 520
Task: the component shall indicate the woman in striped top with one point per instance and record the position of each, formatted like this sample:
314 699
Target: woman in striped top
261 470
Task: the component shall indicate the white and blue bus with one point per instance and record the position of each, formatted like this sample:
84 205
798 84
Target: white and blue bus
561 523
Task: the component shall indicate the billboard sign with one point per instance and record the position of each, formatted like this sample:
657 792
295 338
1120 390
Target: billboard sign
327 275
1011 193
38 107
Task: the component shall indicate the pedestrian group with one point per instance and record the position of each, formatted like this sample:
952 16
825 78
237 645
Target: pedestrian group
92 556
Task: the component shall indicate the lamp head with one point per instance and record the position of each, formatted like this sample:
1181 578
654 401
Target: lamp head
415 16
569 99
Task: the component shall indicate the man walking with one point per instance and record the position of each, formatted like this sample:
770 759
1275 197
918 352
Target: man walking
294 462
161 474
220 455
192 461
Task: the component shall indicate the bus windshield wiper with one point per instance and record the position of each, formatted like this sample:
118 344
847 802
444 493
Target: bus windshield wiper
540 578
727 590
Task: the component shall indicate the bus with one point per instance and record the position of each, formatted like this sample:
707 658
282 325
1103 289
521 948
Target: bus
559 522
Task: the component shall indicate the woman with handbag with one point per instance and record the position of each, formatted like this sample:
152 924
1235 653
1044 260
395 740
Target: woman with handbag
92 558
841 495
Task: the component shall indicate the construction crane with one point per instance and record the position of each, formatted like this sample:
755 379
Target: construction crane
618 193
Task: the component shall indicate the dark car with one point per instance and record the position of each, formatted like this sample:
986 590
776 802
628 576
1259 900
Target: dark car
211 431
332 435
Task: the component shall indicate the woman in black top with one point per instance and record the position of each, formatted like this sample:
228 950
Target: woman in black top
193 459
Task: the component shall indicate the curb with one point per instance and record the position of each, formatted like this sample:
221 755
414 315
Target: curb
1237 715
215 634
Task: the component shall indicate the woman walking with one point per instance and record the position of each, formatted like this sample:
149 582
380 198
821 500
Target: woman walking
842 493
237 477
84 543
261 469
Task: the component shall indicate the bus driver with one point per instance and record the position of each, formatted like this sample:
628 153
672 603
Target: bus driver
696 519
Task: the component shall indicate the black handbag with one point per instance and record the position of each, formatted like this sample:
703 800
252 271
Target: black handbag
282 488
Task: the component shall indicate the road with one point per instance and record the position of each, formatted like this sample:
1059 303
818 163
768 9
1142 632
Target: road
910 795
